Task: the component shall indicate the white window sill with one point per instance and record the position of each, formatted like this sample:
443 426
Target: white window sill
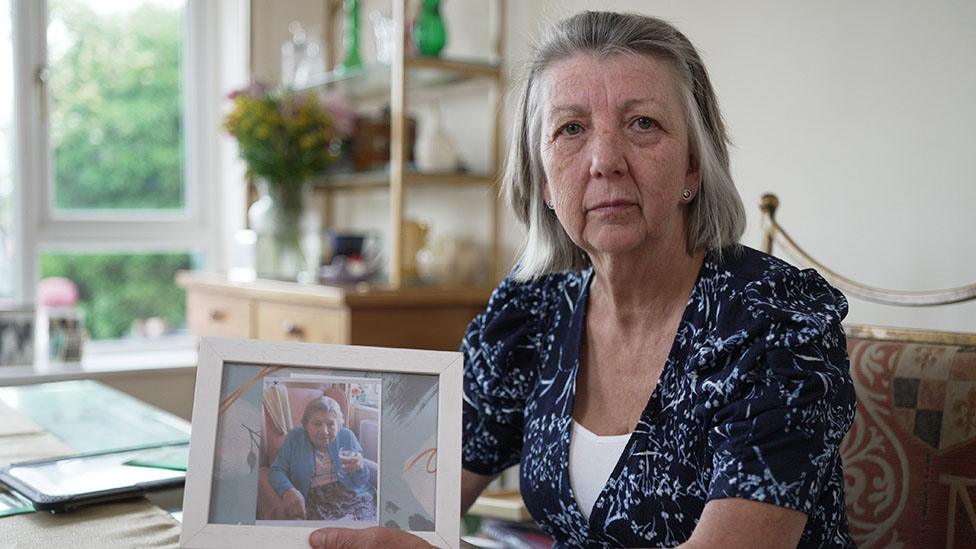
124 357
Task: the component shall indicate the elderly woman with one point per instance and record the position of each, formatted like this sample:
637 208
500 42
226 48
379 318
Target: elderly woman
659 384
319 472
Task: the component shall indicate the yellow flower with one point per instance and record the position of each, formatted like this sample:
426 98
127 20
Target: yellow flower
281 136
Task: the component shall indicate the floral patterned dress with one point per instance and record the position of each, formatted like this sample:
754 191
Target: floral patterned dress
752 403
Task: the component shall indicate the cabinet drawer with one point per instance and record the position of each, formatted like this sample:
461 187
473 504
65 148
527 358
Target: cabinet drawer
298 323
214 315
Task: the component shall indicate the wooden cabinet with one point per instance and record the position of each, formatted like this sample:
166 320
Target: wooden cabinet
283 322
418 318
218 315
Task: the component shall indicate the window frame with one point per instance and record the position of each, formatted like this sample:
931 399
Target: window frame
211 171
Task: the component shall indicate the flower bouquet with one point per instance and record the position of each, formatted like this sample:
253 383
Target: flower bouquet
285 137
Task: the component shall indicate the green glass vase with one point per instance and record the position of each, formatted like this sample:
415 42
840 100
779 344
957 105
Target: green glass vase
429 33
350 38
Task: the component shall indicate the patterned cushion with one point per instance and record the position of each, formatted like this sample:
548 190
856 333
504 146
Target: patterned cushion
910 457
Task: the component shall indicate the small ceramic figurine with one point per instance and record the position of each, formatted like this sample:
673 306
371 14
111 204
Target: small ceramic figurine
435 150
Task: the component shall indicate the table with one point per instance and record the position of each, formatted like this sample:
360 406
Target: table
134 523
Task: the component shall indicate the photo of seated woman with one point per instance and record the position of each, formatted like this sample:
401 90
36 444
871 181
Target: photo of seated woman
321 442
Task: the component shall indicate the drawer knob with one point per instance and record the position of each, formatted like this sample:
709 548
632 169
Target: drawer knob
217 315
292 329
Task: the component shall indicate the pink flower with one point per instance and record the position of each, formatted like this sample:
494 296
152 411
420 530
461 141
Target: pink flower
343 114
254 89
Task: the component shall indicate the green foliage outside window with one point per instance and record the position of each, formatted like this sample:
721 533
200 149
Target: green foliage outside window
115 290
116 107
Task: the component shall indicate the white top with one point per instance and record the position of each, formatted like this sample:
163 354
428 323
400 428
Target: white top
591 460
324 469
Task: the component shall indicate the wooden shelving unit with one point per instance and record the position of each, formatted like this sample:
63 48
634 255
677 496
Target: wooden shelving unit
409 78
405 76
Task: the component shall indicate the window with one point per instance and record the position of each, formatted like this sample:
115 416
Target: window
6 153
112 97
116 141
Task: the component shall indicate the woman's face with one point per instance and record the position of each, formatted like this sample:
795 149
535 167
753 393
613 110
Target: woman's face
322 428
615 152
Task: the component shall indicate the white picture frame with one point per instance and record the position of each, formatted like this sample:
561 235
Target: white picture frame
217 353
18 336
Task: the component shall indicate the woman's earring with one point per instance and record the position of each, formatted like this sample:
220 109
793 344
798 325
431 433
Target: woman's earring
686 194
550 205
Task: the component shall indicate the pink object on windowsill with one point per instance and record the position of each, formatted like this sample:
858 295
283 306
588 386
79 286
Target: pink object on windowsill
57 292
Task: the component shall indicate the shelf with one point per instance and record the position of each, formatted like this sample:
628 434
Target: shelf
415 179
379 179
365 81
404 88
460 68
423 72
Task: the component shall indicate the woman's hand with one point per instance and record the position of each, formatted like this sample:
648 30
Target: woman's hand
351 459
294 503
378 537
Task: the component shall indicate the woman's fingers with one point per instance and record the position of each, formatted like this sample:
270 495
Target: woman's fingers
367 538
340 538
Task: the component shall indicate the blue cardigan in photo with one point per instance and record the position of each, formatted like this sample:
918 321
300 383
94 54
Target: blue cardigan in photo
295 463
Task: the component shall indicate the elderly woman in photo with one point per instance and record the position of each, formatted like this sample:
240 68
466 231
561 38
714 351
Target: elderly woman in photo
319 472
659 384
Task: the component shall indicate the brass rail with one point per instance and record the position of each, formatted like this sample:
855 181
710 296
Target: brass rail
774 233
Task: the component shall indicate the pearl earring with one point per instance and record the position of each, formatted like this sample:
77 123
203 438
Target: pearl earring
550 205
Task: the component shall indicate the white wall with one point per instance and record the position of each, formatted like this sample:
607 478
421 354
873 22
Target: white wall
860 116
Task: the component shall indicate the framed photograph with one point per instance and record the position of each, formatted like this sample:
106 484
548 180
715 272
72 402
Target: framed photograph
17 336
65 333
291 437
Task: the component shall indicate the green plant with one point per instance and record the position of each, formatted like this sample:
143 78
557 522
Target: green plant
117 289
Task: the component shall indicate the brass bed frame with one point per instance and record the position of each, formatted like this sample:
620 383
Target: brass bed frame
899 343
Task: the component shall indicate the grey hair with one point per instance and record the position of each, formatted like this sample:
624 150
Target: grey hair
716 215
323 404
